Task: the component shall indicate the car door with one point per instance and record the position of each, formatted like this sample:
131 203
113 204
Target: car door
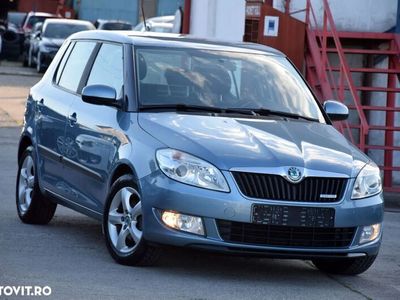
95 131
52 115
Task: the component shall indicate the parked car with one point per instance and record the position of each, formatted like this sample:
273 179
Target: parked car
2 30
11 42
157 24
112 25
28 27
176 141
17 19
46 42
27 60
34 17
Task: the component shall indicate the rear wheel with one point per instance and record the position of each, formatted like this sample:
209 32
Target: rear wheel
123 225
349 266
32 206
39 65
30 58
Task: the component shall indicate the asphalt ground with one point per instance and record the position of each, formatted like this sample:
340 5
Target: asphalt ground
69 255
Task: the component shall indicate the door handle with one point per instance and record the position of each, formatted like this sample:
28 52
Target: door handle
72 119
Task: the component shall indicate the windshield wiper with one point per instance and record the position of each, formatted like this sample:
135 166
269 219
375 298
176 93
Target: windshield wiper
268 112
187 107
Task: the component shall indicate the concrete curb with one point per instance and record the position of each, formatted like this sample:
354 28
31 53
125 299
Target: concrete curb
19 73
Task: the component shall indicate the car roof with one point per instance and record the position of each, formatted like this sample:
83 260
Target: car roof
67 21
112 21
41 14
172 40
162 19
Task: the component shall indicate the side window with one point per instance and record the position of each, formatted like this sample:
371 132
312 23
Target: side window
75 65
108 68
62 63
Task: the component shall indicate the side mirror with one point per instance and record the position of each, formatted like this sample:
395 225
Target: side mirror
335 110
100 95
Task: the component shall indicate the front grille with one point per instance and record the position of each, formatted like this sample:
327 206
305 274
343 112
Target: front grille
275 187
271 235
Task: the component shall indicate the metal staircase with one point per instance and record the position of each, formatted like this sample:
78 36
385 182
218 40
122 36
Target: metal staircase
342 66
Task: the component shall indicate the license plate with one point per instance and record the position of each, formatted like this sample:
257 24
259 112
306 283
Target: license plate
293 215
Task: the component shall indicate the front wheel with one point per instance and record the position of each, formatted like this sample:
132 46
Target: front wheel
123 225
32 206
347 266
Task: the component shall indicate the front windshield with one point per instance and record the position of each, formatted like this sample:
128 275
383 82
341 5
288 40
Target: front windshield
223 80
62 30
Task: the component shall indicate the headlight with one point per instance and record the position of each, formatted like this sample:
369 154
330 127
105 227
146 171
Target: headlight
191 170
368 182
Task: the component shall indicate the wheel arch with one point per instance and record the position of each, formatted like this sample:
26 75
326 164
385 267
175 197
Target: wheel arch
24 143
123 167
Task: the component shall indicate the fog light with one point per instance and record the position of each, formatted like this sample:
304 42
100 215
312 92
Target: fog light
183 222
370 233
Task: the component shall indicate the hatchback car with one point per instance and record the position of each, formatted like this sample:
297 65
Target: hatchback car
170 140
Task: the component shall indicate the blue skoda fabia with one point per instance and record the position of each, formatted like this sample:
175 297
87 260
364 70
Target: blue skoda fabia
170 140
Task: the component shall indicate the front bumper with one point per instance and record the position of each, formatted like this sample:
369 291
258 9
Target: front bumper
47 57
161 193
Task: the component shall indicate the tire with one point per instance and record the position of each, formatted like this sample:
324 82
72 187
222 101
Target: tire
349 266
30 58
32 206
122 225
39 66
24 60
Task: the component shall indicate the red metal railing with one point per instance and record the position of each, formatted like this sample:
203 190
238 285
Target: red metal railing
317 37
337 83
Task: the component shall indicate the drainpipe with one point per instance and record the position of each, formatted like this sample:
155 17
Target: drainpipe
186 17
287 7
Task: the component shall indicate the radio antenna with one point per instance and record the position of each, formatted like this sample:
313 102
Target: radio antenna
144 17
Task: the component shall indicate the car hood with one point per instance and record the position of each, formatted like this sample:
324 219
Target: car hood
238 143
56 43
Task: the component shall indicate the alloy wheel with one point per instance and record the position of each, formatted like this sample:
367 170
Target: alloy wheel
26 184
125 220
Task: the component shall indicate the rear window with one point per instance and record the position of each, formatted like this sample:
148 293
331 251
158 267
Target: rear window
117 26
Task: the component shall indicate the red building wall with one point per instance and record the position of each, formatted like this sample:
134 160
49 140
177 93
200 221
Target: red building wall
49 6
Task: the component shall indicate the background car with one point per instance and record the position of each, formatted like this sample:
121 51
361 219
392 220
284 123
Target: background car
46 42
34 17
16 18
112 25
11 42
28 27
26 57
2 30
157 24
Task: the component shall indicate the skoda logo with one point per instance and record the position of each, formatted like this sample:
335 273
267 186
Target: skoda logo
294 174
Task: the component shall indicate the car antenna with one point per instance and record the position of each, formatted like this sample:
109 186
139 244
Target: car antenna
144 17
